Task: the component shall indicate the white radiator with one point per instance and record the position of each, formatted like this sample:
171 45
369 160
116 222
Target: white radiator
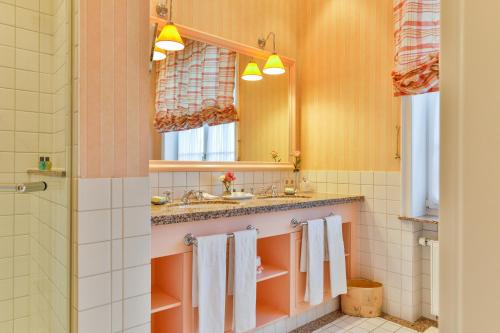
434 246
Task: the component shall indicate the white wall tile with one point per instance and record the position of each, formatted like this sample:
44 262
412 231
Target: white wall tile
117 254
166 179
136 221
367 177
137 281
116 192
136 191
95 320
136 311
94 226
116 286
116 317
94 194
94 258
136 251
117 223
94 291
146 328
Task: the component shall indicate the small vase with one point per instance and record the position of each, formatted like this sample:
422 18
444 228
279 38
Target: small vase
297 181
227 189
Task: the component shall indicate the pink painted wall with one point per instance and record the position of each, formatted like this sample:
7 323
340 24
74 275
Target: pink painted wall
113 88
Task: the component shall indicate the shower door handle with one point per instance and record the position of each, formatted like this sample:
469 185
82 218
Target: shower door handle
24 188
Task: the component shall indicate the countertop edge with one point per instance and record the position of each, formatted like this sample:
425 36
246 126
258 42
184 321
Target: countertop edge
212 215
421 219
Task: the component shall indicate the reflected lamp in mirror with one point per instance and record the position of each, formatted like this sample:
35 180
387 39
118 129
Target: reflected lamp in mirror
159 54
251 72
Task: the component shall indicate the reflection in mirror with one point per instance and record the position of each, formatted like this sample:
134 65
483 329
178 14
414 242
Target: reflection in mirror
204 111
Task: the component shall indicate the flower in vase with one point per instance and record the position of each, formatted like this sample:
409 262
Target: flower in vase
275 156
296 161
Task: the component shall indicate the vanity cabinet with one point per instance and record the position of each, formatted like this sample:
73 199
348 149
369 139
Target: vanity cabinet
280 288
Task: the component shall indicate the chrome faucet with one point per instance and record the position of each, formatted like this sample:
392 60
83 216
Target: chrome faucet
168 196
188 195
272 188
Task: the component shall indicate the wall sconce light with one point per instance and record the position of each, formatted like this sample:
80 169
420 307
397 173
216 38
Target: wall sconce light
169 38
251 72
274 65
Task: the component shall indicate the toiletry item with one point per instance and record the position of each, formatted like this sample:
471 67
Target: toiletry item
306 185
48 163
158 200
289 187
41 164
259 266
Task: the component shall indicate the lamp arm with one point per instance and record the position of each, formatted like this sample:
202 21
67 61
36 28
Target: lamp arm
263 41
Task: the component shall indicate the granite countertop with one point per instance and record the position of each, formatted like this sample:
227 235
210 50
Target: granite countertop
175 213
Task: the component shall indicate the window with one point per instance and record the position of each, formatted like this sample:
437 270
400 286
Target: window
421 154
207 143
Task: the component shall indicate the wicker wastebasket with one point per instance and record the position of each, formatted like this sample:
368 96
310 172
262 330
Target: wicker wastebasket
363 298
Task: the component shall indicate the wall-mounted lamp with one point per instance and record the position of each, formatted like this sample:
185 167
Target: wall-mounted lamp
169 38
251 72
274 65
158 54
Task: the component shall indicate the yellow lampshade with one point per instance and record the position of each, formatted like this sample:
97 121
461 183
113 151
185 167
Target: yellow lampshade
274 65
252 72
158 54
170 39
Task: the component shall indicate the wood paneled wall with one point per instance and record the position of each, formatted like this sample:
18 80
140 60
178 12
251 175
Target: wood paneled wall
345 57
113 88
263 108
241 21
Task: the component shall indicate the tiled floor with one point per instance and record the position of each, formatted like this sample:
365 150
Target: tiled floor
350 324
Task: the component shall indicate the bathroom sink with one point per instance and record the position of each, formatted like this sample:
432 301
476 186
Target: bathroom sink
284 196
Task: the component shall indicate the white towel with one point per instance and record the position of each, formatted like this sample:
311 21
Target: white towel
209 282
242 279
336 255
311 260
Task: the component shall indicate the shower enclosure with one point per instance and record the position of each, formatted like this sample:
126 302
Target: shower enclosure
35 120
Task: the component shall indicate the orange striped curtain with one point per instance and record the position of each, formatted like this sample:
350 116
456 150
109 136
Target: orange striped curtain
417 34
195 87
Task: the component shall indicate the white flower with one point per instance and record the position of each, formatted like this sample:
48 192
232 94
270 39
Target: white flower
222 178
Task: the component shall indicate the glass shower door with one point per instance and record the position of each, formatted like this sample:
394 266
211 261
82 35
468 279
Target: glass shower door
35 121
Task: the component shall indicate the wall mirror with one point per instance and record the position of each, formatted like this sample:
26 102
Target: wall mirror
251 119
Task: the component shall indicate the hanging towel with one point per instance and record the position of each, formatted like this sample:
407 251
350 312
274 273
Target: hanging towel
242 279
209 282
336 255
311 260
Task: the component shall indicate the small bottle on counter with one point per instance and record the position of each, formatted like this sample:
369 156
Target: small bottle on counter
48 163
41 164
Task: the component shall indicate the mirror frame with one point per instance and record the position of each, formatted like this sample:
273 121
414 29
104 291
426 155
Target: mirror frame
165 165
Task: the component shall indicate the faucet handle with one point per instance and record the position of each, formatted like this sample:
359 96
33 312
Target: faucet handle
168 195
200 196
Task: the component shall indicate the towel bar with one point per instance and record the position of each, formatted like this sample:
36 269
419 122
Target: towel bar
190 239
296 223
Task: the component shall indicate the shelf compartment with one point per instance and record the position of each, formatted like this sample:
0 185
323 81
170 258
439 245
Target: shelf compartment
270 272
267 315
161 301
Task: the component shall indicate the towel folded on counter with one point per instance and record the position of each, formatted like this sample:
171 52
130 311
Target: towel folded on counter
209 282
312 258
336 255
242 279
